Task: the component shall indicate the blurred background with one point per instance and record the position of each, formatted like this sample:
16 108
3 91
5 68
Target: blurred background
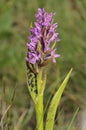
16 107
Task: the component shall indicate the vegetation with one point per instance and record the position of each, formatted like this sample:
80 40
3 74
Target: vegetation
16 108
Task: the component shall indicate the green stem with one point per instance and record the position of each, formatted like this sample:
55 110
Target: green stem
39 102
39 113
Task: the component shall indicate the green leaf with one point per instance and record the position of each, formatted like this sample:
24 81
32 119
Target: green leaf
54 104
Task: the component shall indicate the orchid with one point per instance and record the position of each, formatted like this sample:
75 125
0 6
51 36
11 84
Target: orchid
41 51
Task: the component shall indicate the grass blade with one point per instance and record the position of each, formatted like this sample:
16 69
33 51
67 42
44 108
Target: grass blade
74 116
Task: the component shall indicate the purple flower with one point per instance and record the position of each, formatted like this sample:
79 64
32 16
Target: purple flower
42 35
53 55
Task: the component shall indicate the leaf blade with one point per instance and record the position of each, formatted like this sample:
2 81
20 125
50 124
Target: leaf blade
54 105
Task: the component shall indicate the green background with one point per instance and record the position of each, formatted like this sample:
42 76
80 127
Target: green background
15 19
